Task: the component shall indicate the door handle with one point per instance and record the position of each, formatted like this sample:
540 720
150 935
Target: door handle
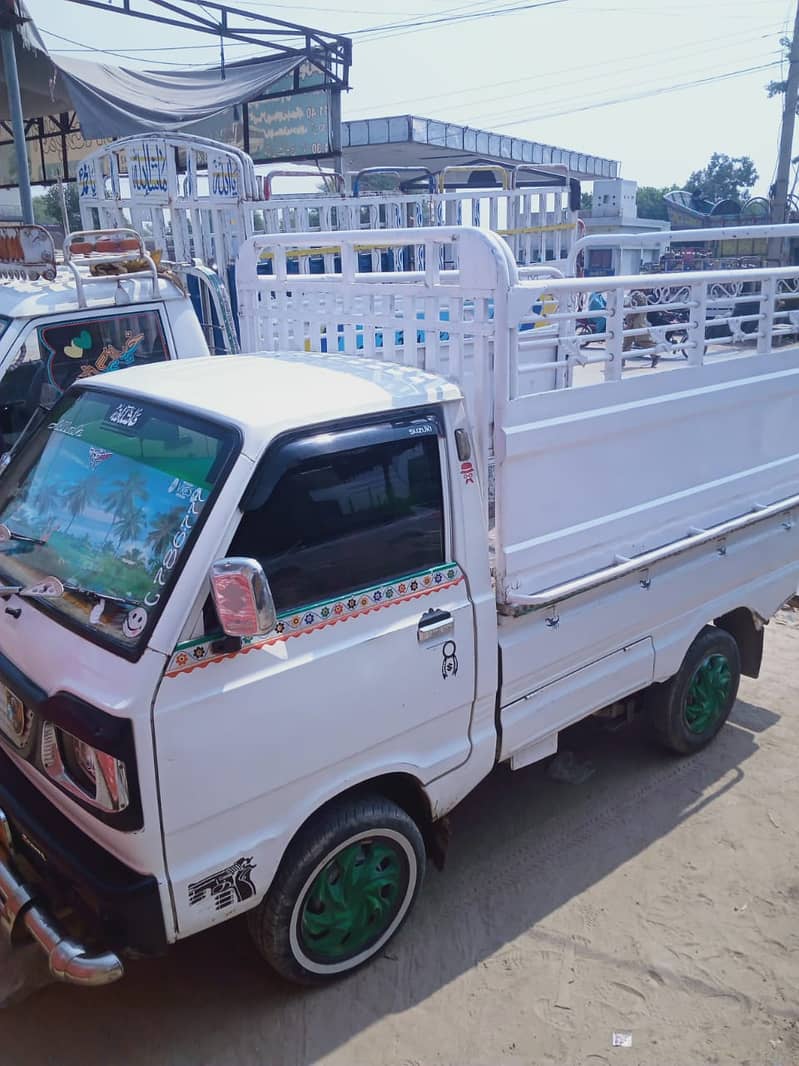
434 625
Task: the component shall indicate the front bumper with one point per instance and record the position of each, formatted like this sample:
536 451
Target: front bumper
19 910
49 866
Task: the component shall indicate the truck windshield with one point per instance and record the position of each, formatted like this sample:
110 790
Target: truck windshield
107 496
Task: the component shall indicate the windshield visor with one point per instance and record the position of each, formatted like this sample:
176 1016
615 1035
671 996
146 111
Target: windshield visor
107 496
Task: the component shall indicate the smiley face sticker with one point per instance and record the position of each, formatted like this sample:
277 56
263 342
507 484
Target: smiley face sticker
134 623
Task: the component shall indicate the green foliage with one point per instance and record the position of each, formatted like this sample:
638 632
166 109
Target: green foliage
724 178
649 200
586 201
379 183
774 88
777 88
47 208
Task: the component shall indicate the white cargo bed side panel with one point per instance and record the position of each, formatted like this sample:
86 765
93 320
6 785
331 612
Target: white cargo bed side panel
579 486
756 568
563 702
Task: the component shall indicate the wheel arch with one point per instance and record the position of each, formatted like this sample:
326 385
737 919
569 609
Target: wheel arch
747 630
409 794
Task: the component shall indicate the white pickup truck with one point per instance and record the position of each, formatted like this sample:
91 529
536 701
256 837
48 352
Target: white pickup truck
107 307
268 619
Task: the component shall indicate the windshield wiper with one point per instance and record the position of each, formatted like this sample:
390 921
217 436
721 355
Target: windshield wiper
8 535
107 596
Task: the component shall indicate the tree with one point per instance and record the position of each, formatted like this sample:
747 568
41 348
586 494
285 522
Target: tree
125 498
162 532
78 496
370 183
127 526
777 88
650 203
724 178
586 201
47 208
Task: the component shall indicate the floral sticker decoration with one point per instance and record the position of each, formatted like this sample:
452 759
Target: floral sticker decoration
199 654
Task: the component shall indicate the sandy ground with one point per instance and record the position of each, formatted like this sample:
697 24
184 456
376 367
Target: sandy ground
658 898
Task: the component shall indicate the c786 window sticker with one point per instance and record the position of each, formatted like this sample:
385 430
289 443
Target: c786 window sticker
176 543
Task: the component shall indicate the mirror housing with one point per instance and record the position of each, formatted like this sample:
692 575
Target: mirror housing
242 597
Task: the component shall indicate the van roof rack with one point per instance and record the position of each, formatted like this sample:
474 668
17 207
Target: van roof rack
26 252
87 250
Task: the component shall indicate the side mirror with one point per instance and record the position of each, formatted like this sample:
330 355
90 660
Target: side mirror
242 598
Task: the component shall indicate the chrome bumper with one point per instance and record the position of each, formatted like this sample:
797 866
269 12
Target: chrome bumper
20 912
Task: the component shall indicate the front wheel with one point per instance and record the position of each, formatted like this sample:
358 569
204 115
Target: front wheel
686 712
344 887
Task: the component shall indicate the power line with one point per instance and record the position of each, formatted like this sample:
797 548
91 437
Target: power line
163 48
437 20
400 29
314 7
462 11
127 55
580 96
640 96
542 76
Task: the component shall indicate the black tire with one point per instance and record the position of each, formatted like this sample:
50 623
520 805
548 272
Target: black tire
385 844
679 338
585 332
684 719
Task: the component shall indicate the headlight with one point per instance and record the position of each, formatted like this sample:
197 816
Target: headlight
84 771
17 722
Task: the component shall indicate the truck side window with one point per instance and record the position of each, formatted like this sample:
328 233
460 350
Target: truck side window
348 520
89 346
59 353
20 390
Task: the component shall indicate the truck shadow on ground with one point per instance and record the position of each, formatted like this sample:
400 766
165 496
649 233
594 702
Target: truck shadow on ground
524 835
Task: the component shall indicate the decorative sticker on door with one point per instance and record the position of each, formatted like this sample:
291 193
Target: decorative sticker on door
449 660
200 653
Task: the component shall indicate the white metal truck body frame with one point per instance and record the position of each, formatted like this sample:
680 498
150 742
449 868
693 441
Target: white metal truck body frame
208 206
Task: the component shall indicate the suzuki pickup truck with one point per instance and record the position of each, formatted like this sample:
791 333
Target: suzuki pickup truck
267 619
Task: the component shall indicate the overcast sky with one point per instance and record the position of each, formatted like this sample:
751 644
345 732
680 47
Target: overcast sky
541 73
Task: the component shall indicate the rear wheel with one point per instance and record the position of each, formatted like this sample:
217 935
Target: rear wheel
343 889
686 712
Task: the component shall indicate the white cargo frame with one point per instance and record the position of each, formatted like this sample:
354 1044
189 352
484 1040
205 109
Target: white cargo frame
192 211
725 419
535 222
200 200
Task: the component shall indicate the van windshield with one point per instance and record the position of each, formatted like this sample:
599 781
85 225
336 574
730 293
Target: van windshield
107 496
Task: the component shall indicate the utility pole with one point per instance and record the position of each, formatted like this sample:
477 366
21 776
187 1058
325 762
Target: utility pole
9 19
779 200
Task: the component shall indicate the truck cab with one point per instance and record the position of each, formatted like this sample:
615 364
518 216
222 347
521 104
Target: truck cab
106 307
333 475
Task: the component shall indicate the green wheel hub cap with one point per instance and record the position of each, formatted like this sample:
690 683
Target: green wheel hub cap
708 693
353 899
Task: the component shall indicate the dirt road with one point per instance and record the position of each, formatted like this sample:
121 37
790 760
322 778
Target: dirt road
657 898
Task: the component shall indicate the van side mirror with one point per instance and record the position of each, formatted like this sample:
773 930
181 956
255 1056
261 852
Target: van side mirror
242 598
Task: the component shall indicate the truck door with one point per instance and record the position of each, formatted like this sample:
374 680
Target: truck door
57 352
371 669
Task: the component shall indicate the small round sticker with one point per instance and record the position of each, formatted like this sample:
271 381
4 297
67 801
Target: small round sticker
134 623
